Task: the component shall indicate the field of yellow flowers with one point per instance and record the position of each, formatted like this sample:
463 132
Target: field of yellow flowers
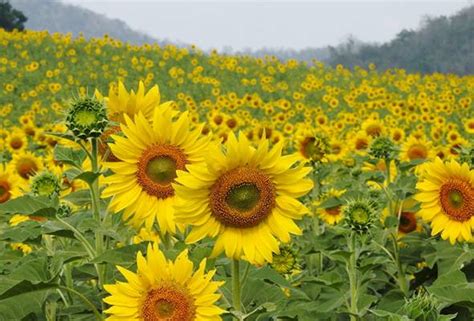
163 183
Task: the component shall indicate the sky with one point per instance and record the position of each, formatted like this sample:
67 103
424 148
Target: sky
272 24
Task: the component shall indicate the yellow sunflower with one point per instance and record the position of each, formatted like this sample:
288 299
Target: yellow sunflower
446 193
332 215
10 184
26 164
147 160
416 148
164 290
122 102
245 197
16 141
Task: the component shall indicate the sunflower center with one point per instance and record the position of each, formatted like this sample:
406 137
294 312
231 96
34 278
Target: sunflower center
4 192
164 308
417 152
407 222
157 168
334 210
457 199
16 143
360 215
85 118
26 168
168 303
242 197
161 170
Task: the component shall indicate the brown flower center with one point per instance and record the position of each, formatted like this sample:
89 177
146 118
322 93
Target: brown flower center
334 210
157 169
168 303
242 197
457 199
26 167
417 151
407 222
4 191
16 143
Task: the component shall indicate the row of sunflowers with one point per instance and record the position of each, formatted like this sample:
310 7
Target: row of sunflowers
239 189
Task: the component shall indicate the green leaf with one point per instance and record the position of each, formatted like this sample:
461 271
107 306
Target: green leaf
120 256
30 205
69 156
453 287
80 198
88 177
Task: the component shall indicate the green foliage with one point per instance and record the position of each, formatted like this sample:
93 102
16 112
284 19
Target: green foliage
442 44
11 18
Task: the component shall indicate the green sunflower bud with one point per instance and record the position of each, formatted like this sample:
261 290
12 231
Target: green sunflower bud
87 118
64 210
422 307
285 262
359 215
382 148
45 184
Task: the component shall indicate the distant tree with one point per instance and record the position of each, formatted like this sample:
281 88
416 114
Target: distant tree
11 18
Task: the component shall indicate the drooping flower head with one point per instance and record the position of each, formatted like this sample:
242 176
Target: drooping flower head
246 197
163 290
147 160
446 193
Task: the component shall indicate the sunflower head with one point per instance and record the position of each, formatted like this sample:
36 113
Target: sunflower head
382 148
45 184
446 194
359 215
87 118
164 290
315 147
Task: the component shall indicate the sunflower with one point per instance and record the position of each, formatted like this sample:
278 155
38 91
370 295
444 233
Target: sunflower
164 290
373 127
26 164
416 148
446 193
122 102
312 145
16 141
148 157
245 197
10 184
331 215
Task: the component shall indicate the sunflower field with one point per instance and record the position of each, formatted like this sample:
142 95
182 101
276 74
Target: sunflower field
163 183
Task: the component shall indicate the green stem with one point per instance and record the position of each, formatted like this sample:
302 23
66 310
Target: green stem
236 285
402 280
89 249
352 273
97 314
95 195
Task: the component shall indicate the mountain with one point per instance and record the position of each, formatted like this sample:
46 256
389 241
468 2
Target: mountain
56 16
440 44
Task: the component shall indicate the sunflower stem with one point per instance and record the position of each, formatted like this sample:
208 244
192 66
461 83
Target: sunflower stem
95 195
352 273
401 278
236 286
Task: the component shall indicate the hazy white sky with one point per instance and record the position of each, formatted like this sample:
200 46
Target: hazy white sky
256 24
